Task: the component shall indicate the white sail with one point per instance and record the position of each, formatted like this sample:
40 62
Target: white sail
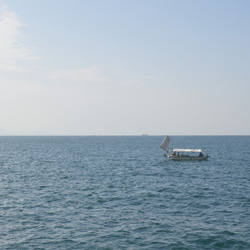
165 143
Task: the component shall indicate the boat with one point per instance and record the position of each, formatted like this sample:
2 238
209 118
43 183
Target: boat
178 154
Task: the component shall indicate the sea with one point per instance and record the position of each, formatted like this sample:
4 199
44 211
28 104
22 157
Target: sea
120 192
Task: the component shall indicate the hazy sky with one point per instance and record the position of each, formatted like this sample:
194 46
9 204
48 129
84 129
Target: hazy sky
94 67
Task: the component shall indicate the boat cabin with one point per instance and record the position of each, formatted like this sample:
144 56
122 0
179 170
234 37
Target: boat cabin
187 154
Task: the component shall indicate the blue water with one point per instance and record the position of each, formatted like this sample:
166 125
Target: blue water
121 193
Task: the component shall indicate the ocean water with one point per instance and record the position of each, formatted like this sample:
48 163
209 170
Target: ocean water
104 192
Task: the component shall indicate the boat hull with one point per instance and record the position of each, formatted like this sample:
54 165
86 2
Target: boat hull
188 158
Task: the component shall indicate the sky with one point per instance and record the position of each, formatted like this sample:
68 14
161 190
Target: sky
94 67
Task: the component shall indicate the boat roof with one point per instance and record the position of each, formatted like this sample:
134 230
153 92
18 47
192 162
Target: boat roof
187 150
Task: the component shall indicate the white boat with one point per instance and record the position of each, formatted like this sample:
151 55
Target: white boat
182 154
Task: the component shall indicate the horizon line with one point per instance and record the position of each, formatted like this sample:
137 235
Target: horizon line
141 135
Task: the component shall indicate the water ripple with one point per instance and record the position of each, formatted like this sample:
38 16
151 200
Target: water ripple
121 193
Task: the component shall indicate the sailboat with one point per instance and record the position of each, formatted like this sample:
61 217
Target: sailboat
178 154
